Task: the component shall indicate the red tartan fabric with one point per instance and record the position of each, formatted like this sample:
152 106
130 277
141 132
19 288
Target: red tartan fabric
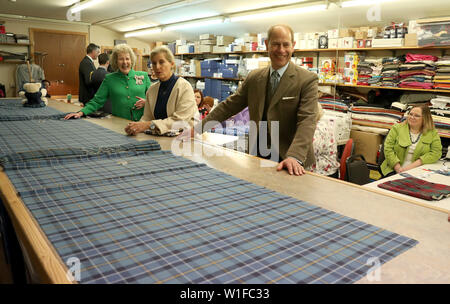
418 188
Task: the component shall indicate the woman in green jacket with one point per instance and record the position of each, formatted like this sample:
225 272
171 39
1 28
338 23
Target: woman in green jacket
125 88
412 143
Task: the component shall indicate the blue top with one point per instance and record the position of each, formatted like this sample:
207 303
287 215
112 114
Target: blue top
165 88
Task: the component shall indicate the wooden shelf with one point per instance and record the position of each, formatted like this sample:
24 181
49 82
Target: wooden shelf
329 50
383 88
15 44
12 61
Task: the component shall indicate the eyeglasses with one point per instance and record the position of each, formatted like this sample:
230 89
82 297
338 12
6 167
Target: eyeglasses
415 115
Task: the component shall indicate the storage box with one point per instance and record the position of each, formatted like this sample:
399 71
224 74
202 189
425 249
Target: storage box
208 42
346 42
333 34
392 42
224 40
411 40
219 49
205 48
206 36
366 144
181 42
250 39
239 48
333 43
433 32
360 35
346 33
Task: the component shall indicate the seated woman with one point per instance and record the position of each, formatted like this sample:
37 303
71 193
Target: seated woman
125 88
200 103
168 101
412 143
325 147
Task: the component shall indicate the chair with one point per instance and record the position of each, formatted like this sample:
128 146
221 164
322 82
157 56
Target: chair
348 151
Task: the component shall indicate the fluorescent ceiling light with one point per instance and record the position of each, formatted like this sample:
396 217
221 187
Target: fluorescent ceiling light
279 13
363 2
179 26
83 5
143 32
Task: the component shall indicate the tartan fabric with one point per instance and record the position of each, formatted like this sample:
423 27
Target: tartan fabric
12 109
418 188
34 135
22 159
175 221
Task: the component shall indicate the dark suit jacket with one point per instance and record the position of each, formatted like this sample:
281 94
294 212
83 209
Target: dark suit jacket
294 105
85 91
96 80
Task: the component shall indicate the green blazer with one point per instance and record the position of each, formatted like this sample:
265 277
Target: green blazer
396 145
122 90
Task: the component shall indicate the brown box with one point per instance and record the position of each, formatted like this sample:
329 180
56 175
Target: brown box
346 33
159 43
411 39
366 144
360 35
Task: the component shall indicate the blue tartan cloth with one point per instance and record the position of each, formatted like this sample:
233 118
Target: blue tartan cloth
35 135
13 109
153 217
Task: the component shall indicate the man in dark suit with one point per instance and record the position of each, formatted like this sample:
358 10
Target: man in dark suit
282 93
98 76
85 91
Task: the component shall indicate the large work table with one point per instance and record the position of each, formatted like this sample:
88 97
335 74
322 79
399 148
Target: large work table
428 262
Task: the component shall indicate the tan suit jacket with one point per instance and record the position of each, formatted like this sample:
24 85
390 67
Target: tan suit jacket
181 106
294 105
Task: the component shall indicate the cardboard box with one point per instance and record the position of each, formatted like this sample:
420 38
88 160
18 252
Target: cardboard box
333 34
366 144
360 35
346 33
250 39
219 49
411 40
181 42
208 41
346 42
239 48
333 43
224 40
373 32
206 36
205 48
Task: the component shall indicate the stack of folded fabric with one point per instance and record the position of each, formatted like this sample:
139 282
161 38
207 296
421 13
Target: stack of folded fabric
389 73
412 99
440 111
375 116
364 72
377 67
418 71
442 77
333 103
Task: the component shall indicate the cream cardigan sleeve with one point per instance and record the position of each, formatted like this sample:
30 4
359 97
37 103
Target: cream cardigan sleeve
181 106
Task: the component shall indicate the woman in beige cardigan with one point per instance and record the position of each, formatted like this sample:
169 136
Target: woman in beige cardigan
169 102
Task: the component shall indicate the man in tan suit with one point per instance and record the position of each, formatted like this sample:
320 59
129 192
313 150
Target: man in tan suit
283 93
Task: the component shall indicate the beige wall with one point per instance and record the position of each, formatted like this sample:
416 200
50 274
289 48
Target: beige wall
97 35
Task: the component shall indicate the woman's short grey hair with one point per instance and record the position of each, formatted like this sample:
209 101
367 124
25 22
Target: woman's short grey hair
120 49
164 50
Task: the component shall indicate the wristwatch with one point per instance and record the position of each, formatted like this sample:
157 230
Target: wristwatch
152 126
300 162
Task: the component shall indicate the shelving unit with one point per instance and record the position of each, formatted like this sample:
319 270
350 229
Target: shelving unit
383 88
15 61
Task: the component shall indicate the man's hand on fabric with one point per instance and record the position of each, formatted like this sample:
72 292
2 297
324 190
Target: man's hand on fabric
292 166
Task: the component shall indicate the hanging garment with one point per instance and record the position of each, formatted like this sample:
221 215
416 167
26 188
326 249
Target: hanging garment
22 76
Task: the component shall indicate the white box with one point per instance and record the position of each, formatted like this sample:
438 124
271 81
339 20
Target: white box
394 42
181 42
219 49
333 43
346 42
200 85
302 45
333 34
262 37
183 49
208 41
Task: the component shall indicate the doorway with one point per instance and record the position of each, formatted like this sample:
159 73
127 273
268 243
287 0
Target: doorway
64 50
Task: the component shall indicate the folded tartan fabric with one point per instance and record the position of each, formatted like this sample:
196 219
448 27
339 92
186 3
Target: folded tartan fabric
418 188
12 109
16 159
12 117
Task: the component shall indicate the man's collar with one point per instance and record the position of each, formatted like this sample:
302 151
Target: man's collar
90 57
280 70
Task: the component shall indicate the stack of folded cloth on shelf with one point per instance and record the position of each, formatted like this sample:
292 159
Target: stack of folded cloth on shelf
442 77
412 99
364 72
372 115
329 102
389 74
377 67
440 111
418 71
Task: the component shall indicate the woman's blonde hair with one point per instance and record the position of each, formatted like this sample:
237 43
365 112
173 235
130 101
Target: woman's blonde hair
427 120
164 50
120 49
